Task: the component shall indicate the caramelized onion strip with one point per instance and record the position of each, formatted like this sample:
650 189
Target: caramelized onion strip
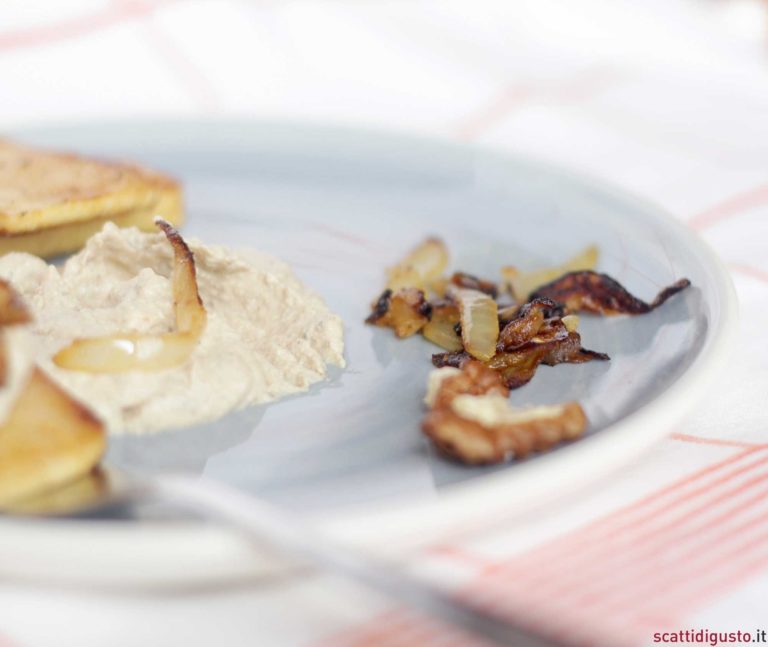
522 284
129 351
426 262
599 293
479 322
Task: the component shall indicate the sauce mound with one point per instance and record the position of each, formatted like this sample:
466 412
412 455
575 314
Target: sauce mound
267 334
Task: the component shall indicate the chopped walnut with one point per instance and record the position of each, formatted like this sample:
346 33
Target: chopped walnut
471 419
485 429
474 378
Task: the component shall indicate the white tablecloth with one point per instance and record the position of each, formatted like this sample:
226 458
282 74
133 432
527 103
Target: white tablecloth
666 98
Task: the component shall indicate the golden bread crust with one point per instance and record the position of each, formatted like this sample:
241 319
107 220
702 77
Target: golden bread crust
41 189
48 439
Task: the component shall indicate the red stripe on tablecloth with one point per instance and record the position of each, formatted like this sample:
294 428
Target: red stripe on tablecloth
731 207
754 272
5 641
600 583
583 551
402 629
345 236
515 597
717 536
513 97
740 567
460 556
725 442
68 29
585 537
196 83
500 106
631 564
346 638
577 600
705 583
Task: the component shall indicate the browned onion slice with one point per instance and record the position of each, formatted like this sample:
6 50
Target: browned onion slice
601 294
522 284
479 322
126 352
427 262
441 328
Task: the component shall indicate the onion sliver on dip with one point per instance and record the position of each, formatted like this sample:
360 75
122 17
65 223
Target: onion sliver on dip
267 335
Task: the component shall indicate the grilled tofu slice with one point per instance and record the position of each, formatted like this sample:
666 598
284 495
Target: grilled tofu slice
51 203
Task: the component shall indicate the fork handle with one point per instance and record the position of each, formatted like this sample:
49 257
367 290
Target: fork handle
263 522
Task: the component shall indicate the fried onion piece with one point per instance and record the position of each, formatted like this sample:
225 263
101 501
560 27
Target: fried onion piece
472 282
554 344
125 352
454 359
552 330
427 261
403 277
439 286
485 429
599 293
518 366
406 311
479 322
47 439
129 352
188 307
441 328
522 284
524 326
508 313
568 350
571 322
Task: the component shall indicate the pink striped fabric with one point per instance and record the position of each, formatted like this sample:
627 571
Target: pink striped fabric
615 581
662 100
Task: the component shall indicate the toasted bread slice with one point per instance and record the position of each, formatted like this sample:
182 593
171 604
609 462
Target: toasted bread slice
50 203
48 439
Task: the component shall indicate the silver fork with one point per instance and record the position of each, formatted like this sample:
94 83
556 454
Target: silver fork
263 522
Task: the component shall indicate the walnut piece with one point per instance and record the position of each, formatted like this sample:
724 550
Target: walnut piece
472 421
481 440
474 378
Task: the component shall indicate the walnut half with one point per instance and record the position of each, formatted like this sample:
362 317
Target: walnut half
472 421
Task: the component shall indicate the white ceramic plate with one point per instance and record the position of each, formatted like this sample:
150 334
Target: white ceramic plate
340 205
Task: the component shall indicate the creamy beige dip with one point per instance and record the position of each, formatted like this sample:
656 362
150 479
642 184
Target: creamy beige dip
267 334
